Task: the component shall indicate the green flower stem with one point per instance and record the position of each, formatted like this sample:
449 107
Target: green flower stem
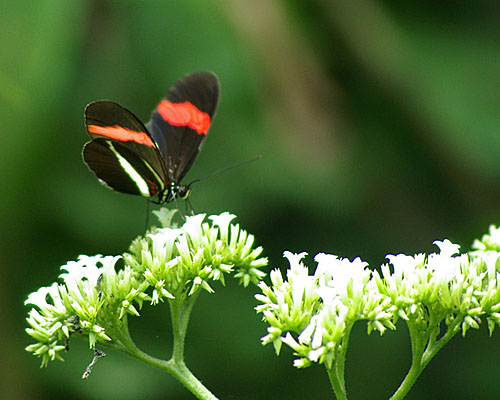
417 349
336 373
177 369
424 347
431 351
342 355
180 311
176 366
337 383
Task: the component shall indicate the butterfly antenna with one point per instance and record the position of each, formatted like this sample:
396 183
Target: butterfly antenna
225 169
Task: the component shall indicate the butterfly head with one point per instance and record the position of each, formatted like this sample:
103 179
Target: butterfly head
175 191
183 191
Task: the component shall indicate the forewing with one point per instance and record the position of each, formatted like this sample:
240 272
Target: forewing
179 124
122 153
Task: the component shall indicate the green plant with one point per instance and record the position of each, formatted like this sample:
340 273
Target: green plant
437 295
170 264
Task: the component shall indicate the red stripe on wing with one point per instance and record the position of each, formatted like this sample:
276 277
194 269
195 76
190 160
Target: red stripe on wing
184 114
122 134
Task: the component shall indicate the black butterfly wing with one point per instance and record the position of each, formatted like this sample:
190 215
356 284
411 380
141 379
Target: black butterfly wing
179 124
122 153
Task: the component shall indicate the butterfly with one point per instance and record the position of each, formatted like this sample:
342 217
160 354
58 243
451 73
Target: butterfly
151 159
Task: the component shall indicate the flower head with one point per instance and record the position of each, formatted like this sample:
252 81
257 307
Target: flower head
94 298
424 290
320 308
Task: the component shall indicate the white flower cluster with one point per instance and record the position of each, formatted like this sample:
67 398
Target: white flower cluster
314 314
76 305
461 287
178 262
94 298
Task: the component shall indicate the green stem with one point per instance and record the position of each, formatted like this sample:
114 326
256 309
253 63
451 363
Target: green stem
176 366
417 348
180 311
177 369
336 372
424 348
341 357
437 345
337 384
408 382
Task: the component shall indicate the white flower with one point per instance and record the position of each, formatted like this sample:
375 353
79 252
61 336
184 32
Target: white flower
39 298
447 248
341 274
192 227
491 258
443 266
222 221
319 307
163 240
81 276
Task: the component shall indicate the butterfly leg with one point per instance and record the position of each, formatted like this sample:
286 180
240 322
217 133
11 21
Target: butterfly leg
174 196
190 206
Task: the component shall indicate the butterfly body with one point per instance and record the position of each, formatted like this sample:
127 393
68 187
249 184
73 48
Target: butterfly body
151 159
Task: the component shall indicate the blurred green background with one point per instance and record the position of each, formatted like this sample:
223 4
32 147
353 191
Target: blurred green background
379 127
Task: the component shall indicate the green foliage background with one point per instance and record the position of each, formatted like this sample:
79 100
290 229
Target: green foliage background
379 126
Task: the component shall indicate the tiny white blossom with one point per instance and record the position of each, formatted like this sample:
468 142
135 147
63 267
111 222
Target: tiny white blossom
494 234
163 241
295 260
192 227
447 248
344 274
491 259
39 298
222 221
82 275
